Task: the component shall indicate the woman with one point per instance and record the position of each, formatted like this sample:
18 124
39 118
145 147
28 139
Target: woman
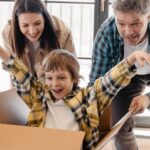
32 33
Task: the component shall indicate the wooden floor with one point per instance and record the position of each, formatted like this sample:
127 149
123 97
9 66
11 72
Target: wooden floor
144 144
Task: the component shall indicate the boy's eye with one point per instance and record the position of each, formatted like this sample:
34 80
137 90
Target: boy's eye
62 78
48 78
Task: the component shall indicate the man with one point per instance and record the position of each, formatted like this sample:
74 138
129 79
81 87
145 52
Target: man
117 38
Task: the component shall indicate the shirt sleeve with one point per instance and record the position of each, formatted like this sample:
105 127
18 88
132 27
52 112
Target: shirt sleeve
69 44
27 85
101 59
64 34
107 87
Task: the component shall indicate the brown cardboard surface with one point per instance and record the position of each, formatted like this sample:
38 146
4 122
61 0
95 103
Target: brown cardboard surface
13 137
12 108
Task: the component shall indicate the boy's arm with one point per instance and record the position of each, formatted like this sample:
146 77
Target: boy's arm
118 77
4 55
28 86
107 87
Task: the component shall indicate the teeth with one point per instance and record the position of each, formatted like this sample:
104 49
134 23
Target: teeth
57 90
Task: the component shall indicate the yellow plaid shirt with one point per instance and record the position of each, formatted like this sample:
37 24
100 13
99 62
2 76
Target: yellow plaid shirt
87 103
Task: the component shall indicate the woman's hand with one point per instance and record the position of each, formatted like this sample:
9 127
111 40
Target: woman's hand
139 57
139 104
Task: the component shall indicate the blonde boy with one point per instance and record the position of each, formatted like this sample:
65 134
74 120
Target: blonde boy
60 103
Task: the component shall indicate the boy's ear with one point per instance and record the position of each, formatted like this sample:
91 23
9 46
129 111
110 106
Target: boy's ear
74 82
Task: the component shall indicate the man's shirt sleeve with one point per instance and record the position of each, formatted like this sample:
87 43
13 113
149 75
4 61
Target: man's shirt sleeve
101 62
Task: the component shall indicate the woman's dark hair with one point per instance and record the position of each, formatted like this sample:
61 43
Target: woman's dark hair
48 38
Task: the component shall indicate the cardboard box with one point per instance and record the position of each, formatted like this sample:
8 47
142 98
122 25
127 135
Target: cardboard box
13 137
13 110
113 131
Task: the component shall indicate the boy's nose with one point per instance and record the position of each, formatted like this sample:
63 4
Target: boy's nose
55 82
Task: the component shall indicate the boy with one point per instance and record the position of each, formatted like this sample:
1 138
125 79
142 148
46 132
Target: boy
60 103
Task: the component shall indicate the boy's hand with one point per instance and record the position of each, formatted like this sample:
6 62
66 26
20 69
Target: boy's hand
139 57
139 104
4 55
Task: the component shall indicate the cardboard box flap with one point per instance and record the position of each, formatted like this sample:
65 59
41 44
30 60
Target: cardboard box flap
12 108
13 137
114 130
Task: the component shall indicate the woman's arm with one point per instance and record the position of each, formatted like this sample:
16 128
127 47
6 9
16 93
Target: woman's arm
64 34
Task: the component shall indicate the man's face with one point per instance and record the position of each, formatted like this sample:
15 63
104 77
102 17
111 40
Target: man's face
132 26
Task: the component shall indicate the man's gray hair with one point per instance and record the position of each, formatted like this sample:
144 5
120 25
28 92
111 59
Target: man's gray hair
140 6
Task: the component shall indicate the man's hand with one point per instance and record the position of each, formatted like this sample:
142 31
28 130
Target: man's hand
139 104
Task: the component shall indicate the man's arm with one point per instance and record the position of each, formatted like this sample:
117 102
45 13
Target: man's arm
139 104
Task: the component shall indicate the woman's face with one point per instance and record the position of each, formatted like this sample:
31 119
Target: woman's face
31 25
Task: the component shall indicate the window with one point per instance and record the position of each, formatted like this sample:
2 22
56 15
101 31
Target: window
77 14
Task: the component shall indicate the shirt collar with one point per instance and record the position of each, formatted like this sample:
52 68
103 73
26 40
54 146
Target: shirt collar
48 95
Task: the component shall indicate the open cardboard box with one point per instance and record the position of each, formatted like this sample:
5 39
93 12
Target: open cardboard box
113 131
14 111
12 137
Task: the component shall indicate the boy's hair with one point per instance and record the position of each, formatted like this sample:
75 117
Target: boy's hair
48 39
64 60
140 6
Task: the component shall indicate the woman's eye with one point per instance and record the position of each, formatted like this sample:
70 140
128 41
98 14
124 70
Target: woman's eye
24 26
38 23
